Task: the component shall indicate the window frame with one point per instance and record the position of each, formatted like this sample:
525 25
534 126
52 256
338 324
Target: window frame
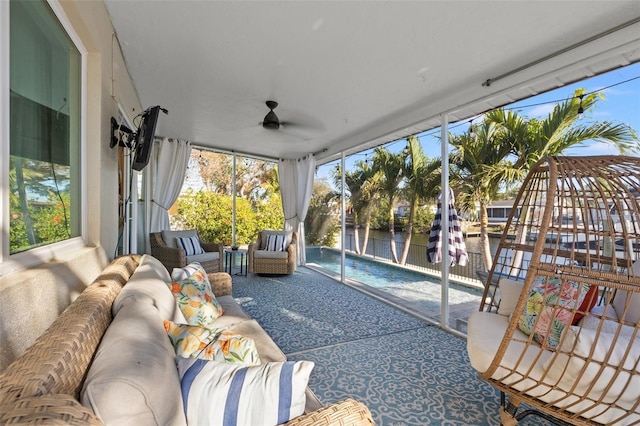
10 263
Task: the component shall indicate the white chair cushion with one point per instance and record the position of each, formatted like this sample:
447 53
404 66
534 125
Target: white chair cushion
267 348
575 375
484 335
266 254
619 301
509 294
169 237
207 256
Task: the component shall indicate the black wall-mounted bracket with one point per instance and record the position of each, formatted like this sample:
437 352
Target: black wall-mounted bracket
121 135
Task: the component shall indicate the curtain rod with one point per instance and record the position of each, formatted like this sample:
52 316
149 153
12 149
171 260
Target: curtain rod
489 81
242 154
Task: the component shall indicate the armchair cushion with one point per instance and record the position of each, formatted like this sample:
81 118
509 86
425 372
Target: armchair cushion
170 237
207 256
266 254
190 245
509 294
265 236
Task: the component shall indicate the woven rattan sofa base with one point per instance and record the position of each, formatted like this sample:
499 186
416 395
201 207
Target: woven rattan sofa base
43 385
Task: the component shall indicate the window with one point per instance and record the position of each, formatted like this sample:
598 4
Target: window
44 94
44 128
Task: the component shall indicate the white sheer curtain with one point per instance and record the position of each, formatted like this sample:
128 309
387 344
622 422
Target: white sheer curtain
296 185
168 176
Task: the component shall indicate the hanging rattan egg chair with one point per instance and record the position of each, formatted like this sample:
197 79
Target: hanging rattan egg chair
559 325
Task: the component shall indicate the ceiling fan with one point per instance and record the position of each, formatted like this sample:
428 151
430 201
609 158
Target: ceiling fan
302 125
271 120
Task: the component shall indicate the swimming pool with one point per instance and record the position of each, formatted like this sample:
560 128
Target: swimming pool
416 291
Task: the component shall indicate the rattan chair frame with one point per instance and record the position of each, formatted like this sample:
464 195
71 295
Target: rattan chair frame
575 218
176 258
273 266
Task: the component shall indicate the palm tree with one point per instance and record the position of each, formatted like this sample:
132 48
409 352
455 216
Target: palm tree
356 182
506 145
479 168
391 169
422 177
534 139
369 197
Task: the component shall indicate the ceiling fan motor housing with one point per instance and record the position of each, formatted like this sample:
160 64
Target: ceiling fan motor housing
271 120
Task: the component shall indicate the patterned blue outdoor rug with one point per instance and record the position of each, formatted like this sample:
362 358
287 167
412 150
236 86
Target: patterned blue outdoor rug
406 371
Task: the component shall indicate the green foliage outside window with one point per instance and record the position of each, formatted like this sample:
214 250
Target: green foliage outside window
211 214
322 224
49 219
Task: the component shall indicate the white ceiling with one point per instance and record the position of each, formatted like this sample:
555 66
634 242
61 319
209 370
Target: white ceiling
354 74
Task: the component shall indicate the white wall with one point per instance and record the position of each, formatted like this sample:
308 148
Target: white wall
31 299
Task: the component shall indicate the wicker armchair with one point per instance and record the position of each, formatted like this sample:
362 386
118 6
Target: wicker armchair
172 257
263 261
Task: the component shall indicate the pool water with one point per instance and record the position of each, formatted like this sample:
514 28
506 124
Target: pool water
420 291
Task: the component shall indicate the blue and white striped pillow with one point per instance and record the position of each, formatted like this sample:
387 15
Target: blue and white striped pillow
190 245
229 394
179 274
275 242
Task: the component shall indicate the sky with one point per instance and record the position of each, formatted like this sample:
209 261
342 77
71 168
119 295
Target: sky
621 104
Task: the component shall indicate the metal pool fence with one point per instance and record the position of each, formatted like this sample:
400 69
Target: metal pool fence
378 248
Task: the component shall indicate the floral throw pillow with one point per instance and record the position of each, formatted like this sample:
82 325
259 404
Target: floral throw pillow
549 308
211 344
196 300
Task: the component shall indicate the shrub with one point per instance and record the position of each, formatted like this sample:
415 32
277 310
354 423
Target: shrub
211 214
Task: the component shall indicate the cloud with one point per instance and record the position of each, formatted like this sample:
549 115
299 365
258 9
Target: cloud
541 110
593 148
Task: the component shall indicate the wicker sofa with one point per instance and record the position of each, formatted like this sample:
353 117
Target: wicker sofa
48 381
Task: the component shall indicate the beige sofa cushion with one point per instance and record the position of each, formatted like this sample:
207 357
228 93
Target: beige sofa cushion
148 284
232 313
267 349
133 379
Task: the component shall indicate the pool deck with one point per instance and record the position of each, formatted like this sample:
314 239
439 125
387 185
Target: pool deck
424 306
